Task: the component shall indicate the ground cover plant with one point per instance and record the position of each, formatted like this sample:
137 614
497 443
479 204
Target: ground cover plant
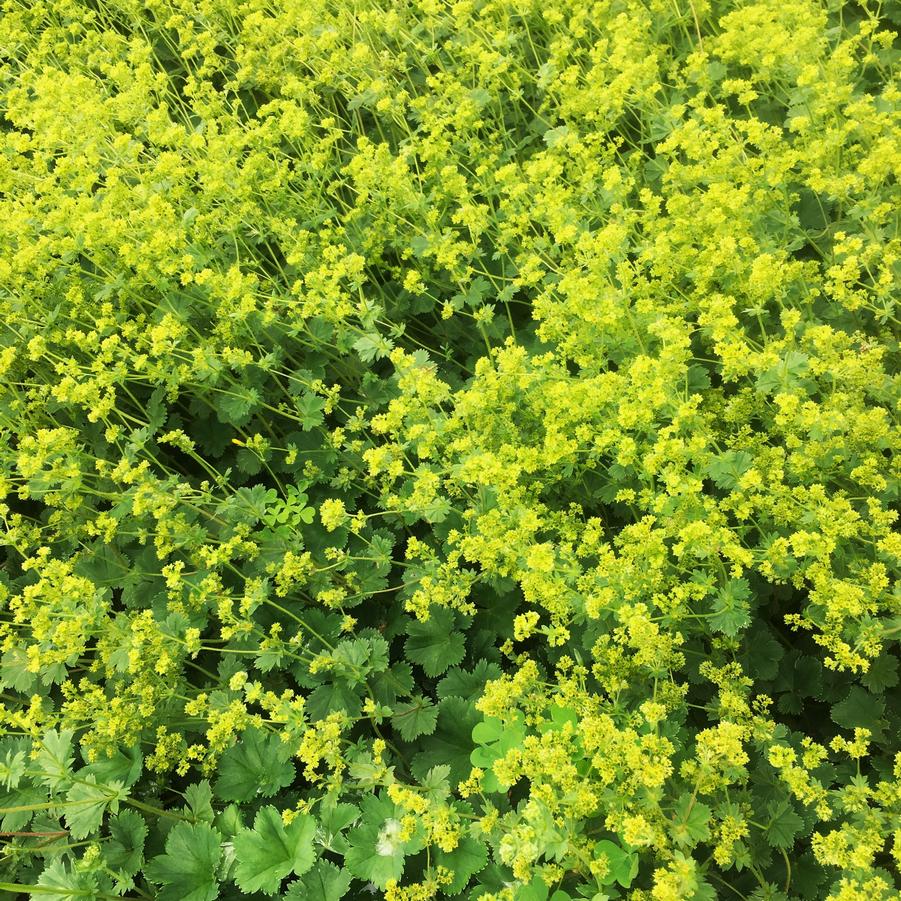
446 450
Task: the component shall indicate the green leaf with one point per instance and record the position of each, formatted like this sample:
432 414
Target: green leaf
325 882
494 738
762 653
334 818
310 407
469 685
451 742
415 717
54 760
14 672
783 826
467 859
198 800
690 821
125 850
235 406
560 716
434 645
731 610
187 871
376 853
882 674
22 800
58 883
435 784
86 802
536 890
554 136
270 851
256 766
786 375
229 822
623 865
861 709
373 347
122 767
12 769
728 468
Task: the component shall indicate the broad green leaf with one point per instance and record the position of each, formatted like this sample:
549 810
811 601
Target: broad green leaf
85 805
731 610
198 800
559 717
435 785
235 404
536 890
14 671
467 859
21 800
59 883
860 709
187 871
469 685
256 766
334 696
415 717
373 347
125 850
495 738
451 742
784 824
376 853
623 864
434 644
12 769
310 407
55 758
229 822
325 882
271 850
728 468
762 653
689 822
882 674
787 375
334 818
122 767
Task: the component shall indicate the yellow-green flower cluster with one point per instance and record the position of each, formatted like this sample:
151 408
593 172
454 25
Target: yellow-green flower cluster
454 442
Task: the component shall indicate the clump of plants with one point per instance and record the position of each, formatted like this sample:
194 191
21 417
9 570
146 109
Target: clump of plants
447 450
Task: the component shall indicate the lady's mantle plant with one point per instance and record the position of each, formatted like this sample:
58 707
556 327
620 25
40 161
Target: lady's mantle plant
447 450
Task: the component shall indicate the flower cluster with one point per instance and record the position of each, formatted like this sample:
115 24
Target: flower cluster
447 449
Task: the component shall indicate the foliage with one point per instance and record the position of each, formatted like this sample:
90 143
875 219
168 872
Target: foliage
447 450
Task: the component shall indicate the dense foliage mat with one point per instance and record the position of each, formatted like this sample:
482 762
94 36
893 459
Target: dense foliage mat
446 450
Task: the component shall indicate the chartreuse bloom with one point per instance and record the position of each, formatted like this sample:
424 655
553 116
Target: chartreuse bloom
447 450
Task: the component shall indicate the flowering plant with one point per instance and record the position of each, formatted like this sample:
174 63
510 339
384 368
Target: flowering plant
447 450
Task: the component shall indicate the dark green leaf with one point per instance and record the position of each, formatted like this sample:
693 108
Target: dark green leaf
434 644
415 717
270 851
325 882
467 859
187 871
376 853
860 709
784 824
256 766
125 850
451 742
